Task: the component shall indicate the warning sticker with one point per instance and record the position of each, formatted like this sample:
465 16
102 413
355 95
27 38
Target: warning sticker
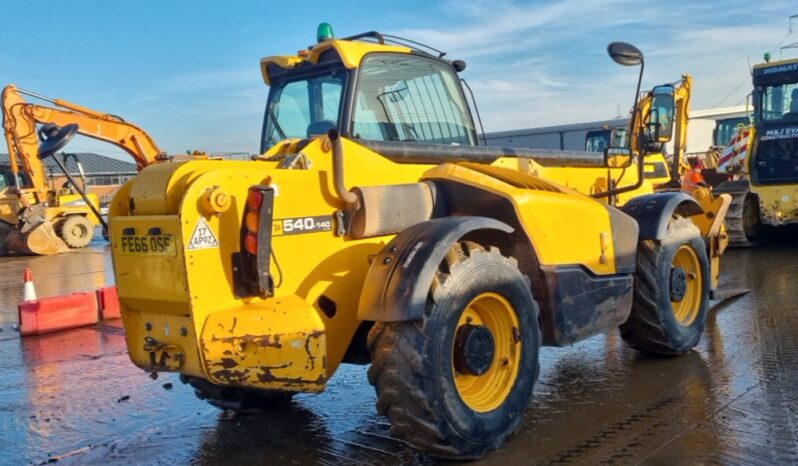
203 237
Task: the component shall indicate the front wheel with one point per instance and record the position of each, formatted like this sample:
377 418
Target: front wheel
76 231
671 292
456 382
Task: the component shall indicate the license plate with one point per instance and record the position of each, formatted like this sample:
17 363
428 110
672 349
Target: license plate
148 245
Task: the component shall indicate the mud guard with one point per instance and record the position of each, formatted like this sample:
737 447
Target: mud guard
400 276
653 211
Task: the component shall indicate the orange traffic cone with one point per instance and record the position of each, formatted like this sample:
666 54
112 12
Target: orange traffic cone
28 291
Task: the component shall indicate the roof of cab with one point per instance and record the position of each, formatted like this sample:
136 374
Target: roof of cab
351 53
776 63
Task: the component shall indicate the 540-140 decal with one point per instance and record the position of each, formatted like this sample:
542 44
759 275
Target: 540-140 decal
300 225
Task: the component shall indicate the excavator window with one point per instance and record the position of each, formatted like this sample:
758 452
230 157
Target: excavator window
726 128
598 140
403 97
7 178
662 113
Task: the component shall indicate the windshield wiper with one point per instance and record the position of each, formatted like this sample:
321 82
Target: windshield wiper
273 117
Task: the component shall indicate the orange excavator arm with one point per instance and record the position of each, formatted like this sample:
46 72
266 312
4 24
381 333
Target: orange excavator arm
20 119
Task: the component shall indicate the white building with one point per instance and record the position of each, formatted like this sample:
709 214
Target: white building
572 137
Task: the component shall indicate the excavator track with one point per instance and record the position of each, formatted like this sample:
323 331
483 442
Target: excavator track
735 216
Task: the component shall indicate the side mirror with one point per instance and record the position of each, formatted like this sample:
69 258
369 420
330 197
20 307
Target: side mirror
617 157
625 54
662 112
54 138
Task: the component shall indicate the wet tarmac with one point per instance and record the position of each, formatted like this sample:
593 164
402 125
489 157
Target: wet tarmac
74 397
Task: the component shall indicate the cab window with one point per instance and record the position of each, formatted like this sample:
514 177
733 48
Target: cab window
410 98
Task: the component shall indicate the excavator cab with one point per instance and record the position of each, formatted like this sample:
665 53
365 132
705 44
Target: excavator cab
600 139
661 115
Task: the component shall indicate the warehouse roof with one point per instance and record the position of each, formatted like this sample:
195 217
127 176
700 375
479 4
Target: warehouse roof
93 164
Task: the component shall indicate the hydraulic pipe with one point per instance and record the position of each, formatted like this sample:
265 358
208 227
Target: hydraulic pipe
338 168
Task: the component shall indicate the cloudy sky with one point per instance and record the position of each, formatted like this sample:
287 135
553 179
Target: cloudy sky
188 73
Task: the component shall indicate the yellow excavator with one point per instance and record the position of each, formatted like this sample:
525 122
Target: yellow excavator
658 118
35 219
374 229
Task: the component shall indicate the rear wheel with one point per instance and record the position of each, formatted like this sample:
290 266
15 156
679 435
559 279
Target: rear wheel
76 231
456 382
241 400
671 292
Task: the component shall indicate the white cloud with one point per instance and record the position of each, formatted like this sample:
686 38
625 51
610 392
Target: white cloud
529 64
544 64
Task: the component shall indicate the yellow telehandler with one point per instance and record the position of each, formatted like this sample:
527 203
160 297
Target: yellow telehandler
373 229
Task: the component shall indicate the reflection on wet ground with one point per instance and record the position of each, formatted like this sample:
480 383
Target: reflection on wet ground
732 401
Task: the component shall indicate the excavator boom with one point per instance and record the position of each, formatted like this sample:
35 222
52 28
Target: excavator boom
21 117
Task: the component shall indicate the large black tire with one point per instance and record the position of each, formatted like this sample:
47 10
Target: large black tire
5 229
76 231
240 400
660 323
413 370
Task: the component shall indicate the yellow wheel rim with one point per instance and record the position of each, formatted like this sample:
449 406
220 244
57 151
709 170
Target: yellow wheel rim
686 309
488 391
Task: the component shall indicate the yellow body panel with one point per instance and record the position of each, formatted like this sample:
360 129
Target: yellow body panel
548 218
589 180
350 52
277 351
778 204
73 204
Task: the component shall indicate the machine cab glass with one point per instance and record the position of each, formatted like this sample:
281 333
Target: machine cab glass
304 103
397 97
660 118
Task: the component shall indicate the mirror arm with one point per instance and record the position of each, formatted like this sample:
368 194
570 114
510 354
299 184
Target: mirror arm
640 147
637 93
625 189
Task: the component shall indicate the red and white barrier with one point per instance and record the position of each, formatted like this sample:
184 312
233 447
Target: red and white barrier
56 313
38 316
108 303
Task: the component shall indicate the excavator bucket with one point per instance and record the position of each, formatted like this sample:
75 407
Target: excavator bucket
41 240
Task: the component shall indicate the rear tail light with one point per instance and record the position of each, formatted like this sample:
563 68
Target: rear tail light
251 243
254 278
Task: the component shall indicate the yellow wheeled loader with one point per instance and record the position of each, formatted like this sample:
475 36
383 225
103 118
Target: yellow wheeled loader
373 229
